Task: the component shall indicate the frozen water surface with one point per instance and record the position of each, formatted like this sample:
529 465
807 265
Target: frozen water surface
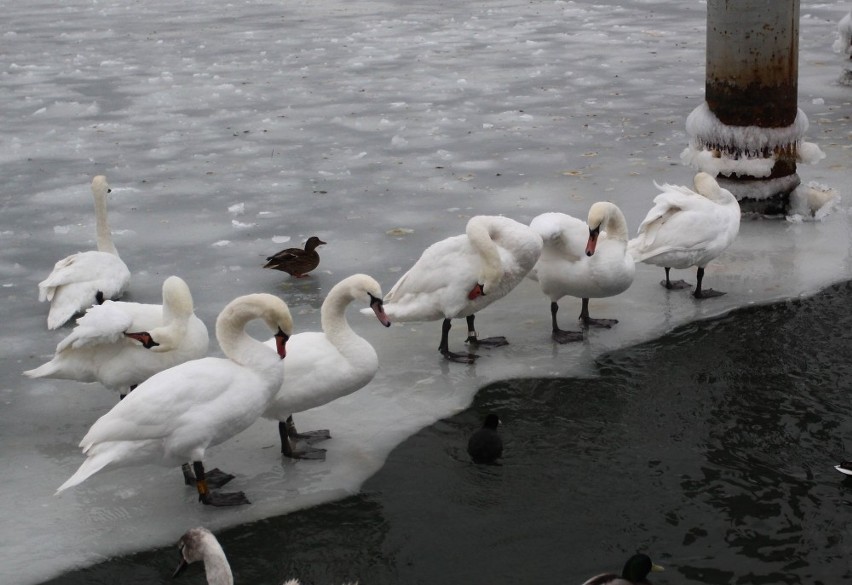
230 131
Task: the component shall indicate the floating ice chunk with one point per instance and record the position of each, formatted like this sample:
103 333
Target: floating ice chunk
241 225
237 208
280 239
221 243
61 229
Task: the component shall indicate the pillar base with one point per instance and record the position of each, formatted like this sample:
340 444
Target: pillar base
766 197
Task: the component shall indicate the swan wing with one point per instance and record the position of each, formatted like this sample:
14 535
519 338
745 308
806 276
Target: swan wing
102 324
74 282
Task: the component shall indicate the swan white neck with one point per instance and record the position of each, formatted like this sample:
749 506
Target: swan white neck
216 567
479 235
610 218
236 344
104 236
333 312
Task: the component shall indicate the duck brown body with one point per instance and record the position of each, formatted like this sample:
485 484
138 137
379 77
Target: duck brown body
295 261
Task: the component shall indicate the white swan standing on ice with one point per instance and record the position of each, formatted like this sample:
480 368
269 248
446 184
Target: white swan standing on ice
122 344
85 278
175 415
688 228
324 366
461 275
584 260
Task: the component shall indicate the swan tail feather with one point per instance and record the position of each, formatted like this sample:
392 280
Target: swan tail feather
43 371
92 465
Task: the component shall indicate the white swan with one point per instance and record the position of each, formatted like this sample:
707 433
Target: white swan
461 275
688 228
199 544
175 415
324 366
585 260
105 345
85 278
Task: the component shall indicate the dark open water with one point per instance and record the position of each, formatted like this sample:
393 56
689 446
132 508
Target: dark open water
711 448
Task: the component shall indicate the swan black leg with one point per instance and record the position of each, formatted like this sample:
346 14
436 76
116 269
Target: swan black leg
291 445
704 294
488 341
673 285
589 322
560 335
444 348
211 498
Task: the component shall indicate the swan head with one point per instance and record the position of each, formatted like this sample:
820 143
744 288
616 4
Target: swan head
377 305
177 299
272 310
199 544
100 187
145 338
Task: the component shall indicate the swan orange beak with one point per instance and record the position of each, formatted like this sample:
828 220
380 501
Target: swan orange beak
593 241
477 291
144 338
378 308
281 343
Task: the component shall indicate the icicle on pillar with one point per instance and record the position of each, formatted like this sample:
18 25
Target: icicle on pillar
748 129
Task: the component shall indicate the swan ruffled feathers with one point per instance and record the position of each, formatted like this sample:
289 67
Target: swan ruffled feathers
583 259
86 278
688 228
635 572
460 275
122 344
327 365
174 416
485 444
295 261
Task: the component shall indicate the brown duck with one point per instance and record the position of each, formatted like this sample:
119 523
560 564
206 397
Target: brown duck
295 261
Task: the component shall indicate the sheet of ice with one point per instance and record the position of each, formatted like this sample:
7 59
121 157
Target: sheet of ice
381 126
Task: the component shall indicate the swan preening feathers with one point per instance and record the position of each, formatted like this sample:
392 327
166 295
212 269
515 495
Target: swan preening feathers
174 416
121 344
325 365
688 228
584 260
460 275
85 278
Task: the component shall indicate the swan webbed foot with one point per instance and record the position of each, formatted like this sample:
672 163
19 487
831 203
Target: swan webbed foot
300 450
599 323
675 284
459 358
215 478
223 499
499 341
312 436
562 336
707 293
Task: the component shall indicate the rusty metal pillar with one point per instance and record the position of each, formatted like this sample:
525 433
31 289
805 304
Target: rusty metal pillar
749 130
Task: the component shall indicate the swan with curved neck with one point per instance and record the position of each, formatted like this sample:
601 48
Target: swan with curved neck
200 545
460 275
175 415
583 259
327 365
688 228
85 278
122 344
